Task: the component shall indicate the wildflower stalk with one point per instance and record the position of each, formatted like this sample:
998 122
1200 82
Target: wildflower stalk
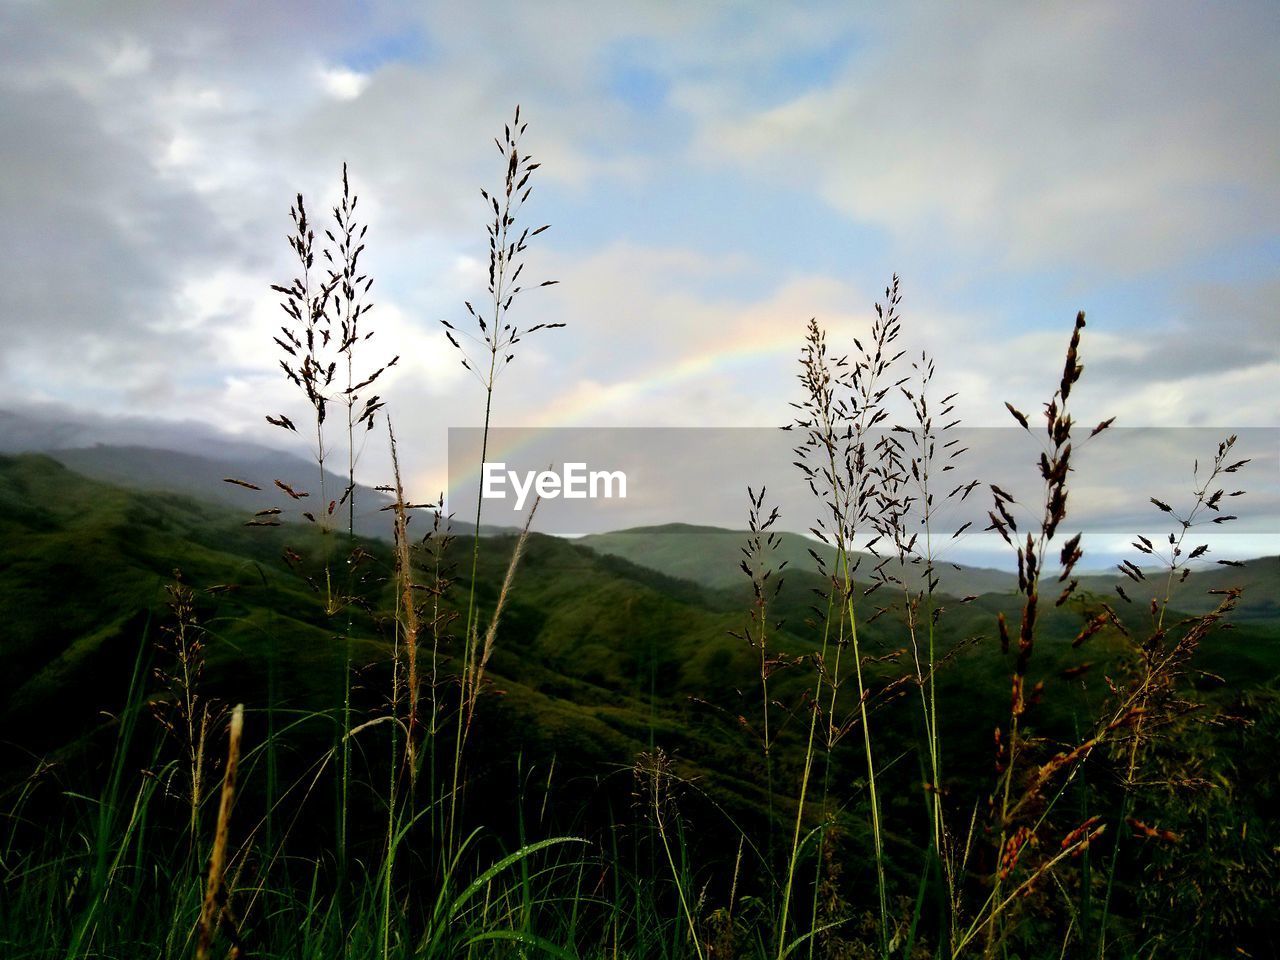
498 337
906 515
757 564
843 404
1177 560
1055 466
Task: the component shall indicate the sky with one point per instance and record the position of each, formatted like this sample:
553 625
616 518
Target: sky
715 174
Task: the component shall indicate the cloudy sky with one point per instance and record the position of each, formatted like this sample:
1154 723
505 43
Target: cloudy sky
715 173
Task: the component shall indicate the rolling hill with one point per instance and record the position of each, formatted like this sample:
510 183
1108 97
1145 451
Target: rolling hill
598 659
599 655
1260 579
710 556
598 662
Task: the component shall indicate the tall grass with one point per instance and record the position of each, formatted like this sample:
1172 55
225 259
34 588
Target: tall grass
849 855
508 242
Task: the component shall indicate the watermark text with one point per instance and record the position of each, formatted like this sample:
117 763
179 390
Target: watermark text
574 482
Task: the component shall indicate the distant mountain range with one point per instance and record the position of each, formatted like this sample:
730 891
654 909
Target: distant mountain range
599 655
711 555
195 461
204 478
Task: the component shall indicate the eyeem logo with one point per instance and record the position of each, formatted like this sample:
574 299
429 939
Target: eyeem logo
575 483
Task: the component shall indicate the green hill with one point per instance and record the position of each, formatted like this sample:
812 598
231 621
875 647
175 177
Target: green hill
710 556
1260 580
598 660
609 643
84 567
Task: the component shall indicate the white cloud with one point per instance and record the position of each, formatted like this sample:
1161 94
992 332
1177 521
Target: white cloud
149 176
343 84
1119 137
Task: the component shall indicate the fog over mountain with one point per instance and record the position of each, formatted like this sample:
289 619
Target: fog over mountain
188 458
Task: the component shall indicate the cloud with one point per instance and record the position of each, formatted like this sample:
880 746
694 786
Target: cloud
92 249
150 159
1119 138
150 163
343 84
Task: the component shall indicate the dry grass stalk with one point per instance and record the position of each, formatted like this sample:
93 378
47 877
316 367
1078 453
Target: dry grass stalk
1054 468
308 355
348 304
408 605
1152 702
184 712
849 409
1147 699
498 336
214 908
324 329
843 403
476 679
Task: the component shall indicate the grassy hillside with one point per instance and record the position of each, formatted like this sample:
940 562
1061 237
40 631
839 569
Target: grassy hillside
710 556
599 663
201 478
1260 579
600 657
85 566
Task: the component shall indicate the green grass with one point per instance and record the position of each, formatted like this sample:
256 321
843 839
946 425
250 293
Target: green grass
600 661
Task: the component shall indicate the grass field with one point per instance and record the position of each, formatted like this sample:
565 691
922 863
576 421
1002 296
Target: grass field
261 732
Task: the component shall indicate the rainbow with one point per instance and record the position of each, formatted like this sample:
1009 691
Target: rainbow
743 357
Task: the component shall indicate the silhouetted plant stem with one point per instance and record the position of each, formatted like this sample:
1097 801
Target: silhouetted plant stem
498 336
